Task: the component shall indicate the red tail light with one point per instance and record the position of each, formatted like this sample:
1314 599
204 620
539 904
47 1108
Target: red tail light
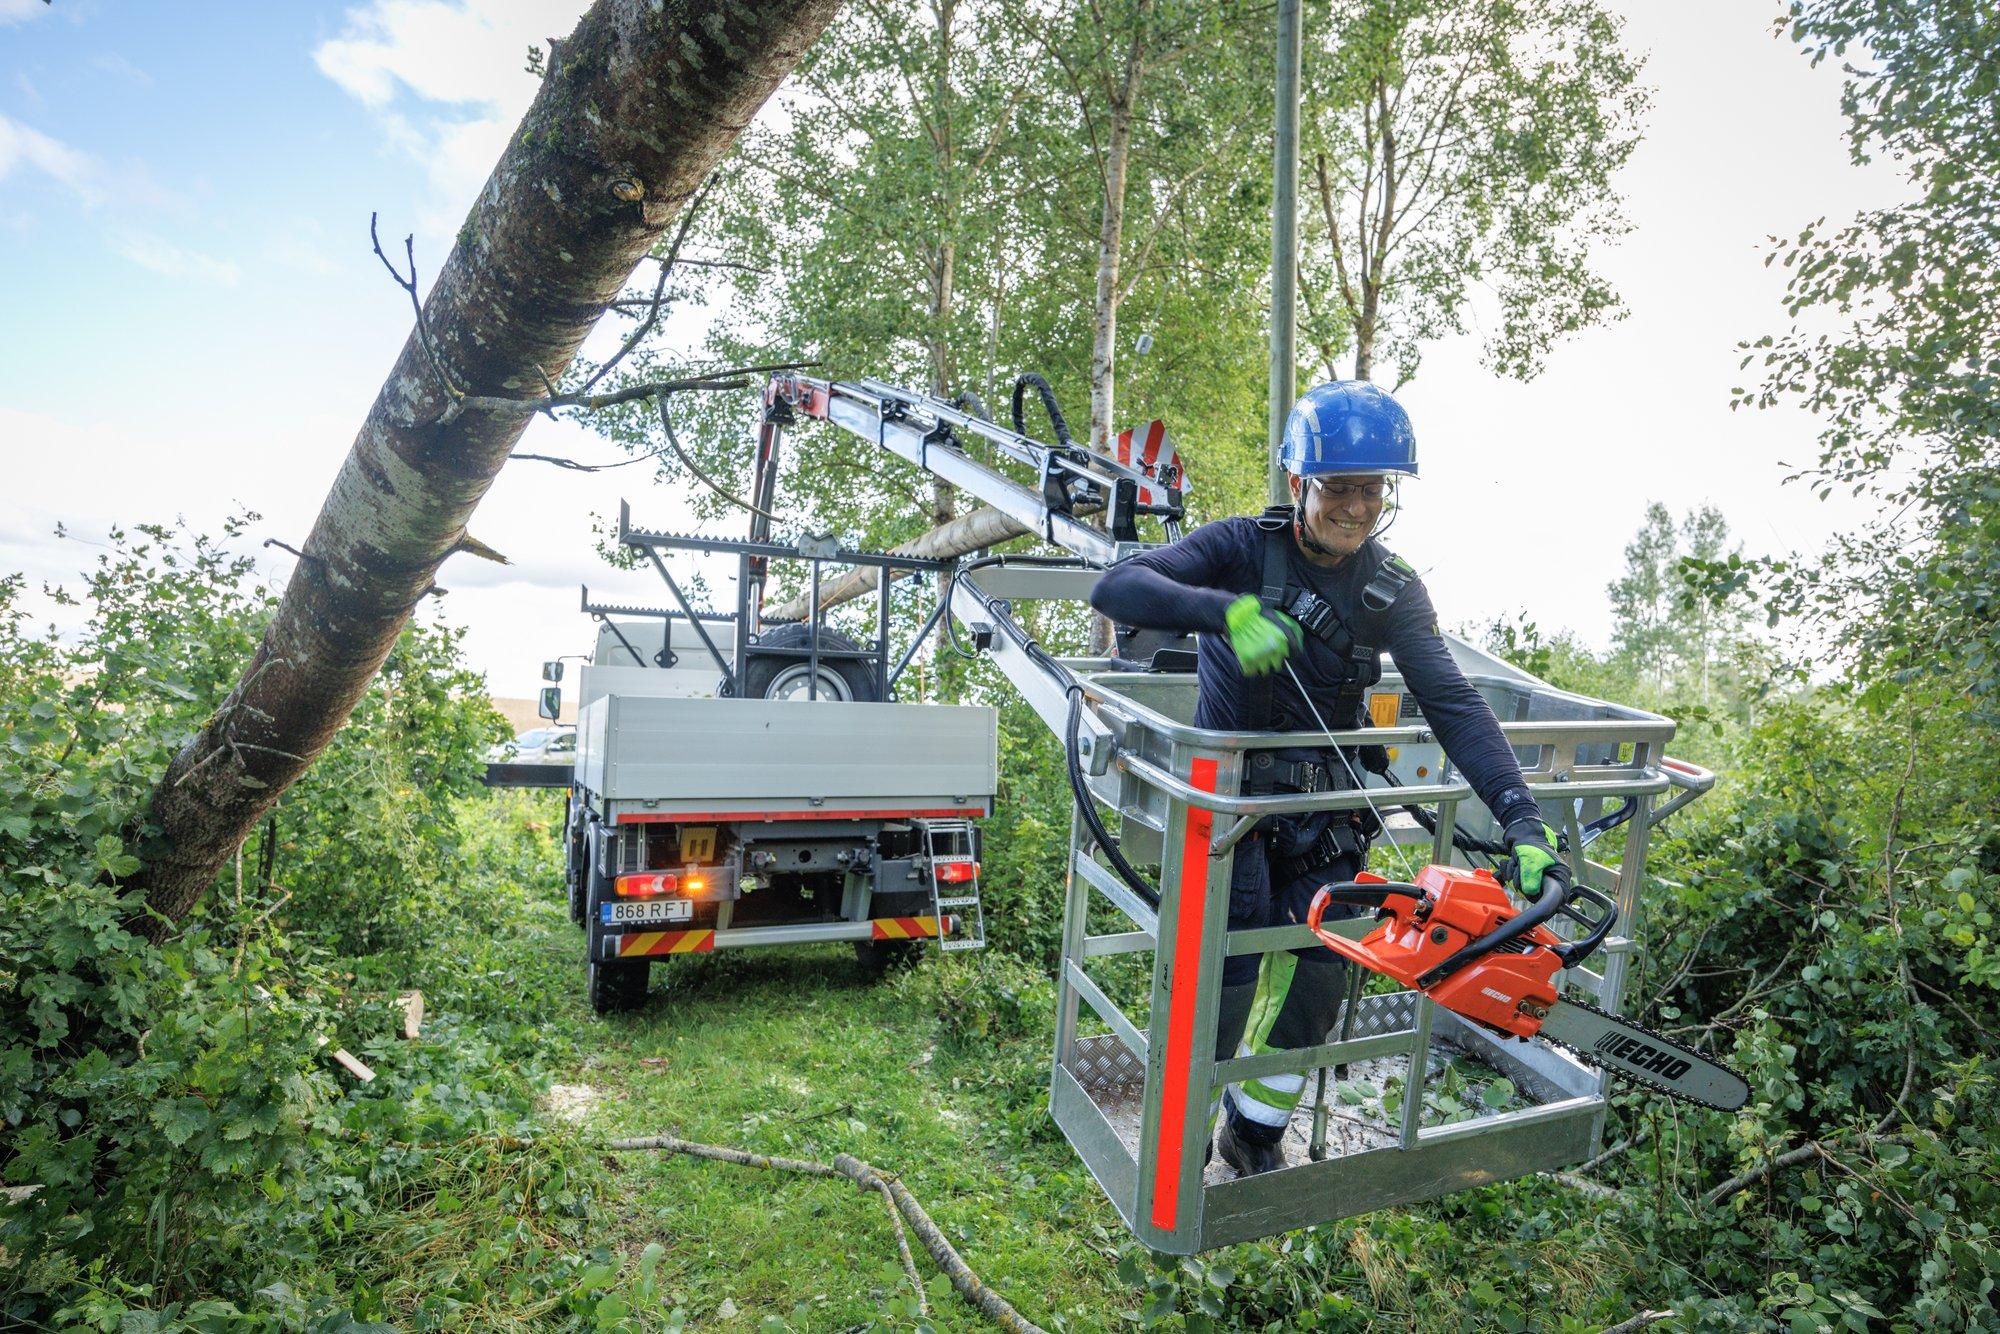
957 873
646 886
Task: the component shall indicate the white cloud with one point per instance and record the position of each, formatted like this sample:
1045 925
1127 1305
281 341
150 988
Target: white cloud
110 62
21 146
169 260
448 80
22 11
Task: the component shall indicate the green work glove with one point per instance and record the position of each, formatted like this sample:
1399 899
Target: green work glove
1533 844
1262 639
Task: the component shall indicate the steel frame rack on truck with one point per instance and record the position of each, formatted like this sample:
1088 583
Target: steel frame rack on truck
1134 1076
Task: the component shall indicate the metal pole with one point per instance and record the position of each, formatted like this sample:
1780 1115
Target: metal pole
1285 238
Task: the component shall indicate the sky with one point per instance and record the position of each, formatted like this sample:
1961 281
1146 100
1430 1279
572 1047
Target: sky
194 324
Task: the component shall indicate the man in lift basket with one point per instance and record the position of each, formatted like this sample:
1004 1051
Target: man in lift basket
1293 608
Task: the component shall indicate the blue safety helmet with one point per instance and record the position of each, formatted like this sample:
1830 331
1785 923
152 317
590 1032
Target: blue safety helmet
1348 426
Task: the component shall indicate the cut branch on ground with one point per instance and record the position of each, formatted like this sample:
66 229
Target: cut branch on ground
968 1284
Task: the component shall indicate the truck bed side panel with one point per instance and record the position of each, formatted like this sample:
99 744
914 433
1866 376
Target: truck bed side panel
789 751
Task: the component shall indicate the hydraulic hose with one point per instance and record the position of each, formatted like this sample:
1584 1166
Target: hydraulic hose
1048 396
1086 803
970 400
1461 840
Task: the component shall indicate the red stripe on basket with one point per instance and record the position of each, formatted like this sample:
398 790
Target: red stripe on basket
1181 1004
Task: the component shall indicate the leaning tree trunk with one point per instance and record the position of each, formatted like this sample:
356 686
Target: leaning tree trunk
638 104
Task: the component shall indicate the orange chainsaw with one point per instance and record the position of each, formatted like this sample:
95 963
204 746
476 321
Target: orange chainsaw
1455 936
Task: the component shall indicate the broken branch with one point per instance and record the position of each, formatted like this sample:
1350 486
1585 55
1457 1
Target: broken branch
990 1303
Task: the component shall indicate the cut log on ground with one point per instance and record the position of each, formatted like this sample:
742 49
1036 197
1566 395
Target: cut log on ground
411 1003
638 104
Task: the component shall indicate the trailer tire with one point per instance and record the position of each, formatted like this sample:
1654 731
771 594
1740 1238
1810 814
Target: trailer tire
614 986
618 986
768 677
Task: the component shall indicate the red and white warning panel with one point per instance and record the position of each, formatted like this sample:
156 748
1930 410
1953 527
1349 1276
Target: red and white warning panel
1151 450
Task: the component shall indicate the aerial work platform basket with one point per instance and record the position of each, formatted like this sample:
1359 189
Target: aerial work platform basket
1409 1101
1419 1102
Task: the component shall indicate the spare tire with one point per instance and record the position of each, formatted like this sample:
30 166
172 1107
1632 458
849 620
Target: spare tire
782 676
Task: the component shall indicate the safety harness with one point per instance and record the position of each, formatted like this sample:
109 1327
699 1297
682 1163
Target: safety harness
1360 662
1360 666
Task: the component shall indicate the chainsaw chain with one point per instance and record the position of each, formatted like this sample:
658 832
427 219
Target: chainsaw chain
1591 1060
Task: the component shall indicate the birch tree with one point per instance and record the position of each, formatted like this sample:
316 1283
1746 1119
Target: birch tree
1454 148
637 105
877 209
1153 94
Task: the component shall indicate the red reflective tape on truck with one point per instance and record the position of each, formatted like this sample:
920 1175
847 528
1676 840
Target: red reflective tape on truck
725 817
904 928
1181 1000
636 943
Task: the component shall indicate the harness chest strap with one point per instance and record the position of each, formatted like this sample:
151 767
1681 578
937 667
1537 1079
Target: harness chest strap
1361 663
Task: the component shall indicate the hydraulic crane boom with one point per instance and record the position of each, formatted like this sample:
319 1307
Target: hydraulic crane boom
933 432
1074 485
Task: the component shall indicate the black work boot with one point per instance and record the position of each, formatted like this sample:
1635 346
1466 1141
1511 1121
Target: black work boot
1247 1146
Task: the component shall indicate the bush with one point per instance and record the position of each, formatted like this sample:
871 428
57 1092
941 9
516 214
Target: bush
171 1116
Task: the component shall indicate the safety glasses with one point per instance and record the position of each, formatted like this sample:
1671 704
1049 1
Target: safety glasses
1339 493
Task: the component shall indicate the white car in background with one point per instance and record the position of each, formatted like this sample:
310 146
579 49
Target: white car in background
539 745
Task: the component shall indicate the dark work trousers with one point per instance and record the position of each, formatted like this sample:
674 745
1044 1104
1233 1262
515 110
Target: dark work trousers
1284 1000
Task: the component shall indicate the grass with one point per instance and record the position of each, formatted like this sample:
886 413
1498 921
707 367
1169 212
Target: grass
795 1053
938 1075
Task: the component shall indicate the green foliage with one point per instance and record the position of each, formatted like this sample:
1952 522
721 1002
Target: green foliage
173 1125
929 209
413 747
1898 361
1457 147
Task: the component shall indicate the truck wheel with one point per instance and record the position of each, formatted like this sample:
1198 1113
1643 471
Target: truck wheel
618 985
614 985
576 864
879 958
766 677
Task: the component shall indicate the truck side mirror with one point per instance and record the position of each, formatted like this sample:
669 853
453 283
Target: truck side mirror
551 702
552 671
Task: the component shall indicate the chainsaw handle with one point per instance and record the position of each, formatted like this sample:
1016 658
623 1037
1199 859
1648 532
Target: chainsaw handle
1596 924
1367 893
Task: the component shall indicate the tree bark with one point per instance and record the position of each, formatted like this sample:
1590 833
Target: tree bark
639 103
942 371
983 527
944 270
1110 241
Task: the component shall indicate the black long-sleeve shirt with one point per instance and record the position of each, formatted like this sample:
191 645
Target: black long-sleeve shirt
1189 585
